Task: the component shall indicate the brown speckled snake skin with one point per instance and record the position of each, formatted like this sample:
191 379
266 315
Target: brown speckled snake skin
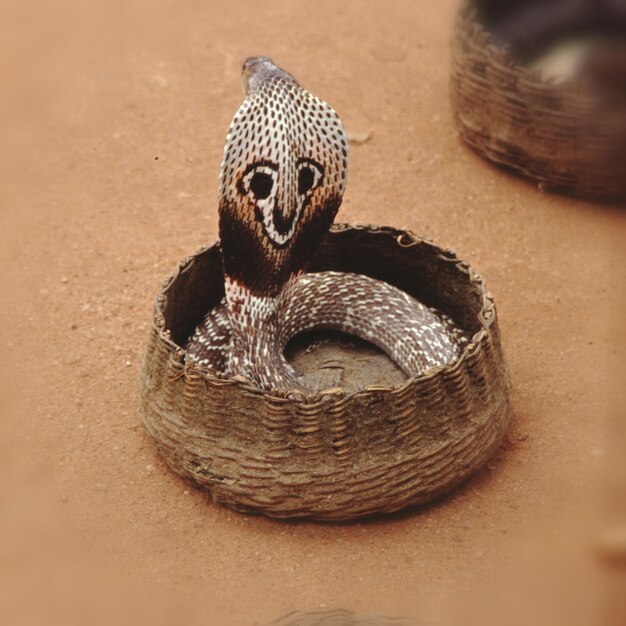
281 183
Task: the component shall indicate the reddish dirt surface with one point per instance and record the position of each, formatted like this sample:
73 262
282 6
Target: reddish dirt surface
113 120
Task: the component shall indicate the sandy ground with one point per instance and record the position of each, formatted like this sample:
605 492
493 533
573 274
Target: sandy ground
113 120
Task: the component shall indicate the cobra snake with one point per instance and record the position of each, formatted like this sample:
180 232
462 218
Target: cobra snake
281 183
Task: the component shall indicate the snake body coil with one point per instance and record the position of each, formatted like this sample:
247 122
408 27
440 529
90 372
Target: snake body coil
281 184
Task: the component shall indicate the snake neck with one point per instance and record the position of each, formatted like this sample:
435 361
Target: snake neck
255 323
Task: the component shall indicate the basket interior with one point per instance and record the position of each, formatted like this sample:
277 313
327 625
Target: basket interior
422 270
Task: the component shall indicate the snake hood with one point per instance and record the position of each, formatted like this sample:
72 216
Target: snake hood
281 182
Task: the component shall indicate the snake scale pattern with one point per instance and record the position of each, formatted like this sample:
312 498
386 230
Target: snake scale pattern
282 180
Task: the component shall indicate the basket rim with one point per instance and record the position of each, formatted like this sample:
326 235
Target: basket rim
404 239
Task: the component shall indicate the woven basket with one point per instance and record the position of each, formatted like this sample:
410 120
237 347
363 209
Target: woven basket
336 456
567 137
339 617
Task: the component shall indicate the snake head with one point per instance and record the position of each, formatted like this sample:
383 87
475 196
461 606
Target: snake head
281 182
256 70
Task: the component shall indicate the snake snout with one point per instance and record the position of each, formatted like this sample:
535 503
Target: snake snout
259 70
251 61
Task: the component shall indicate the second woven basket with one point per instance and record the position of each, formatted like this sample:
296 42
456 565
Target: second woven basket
568 137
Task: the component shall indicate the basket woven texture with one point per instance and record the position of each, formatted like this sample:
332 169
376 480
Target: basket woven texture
563 136
334 456
339 617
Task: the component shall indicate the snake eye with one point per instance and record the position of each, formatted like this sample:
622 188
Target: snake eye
309 175
306 178
258 179
261 185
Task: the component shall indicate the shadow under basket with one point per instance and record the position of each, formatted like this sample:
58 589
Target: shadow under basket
568 135
335 455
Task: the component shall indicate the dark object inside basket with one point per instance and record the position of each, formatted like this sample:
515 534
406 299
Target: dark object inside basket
526 27
530 30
